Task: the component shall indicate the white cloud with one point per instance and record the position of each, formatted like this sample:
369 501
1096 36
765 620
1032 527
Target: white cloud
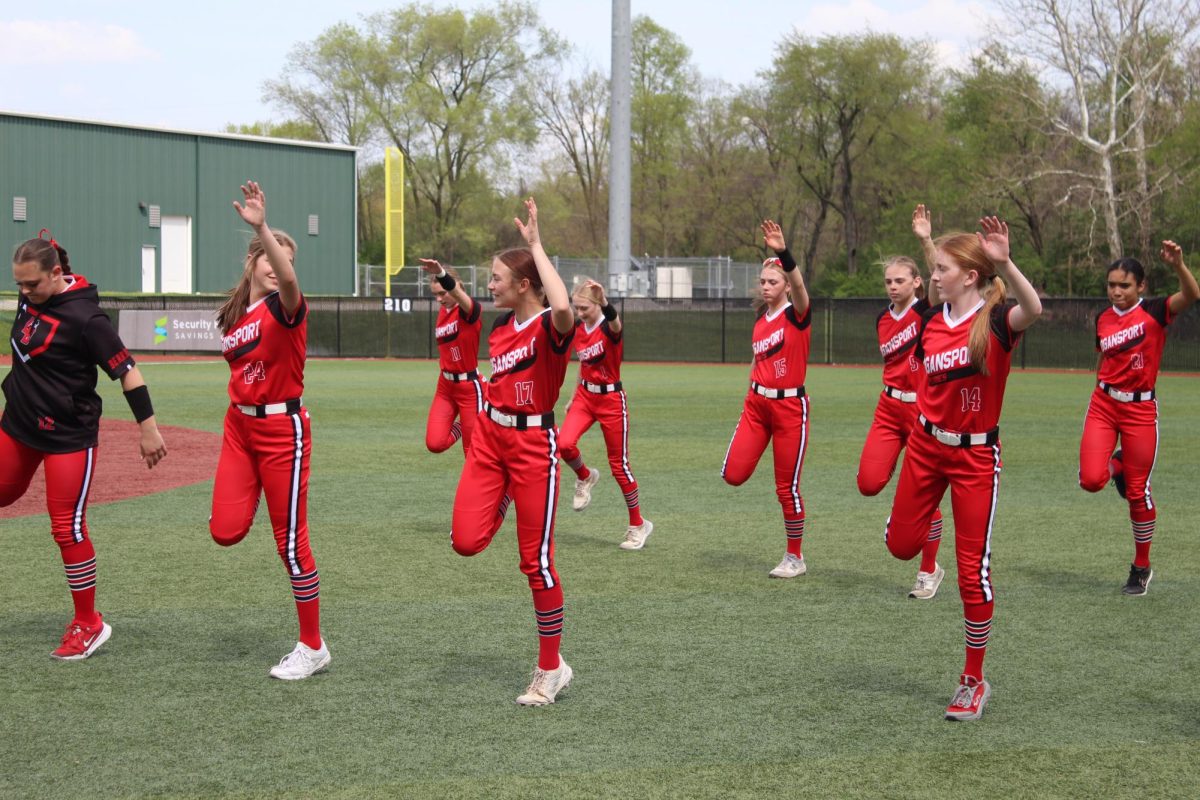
953 26
25 42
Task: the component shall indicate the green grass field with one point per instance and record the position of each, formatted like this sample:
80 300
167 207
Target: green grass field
696 675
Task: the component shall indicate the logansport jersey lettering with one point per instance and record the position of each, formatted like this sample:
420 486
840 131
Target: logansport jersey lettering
592 352
768 345
506 361
947 360
899 340
244 334
449 329
1122 338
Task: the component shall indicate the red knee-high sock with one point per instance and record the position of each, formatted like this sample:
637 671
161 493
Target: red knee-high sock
631 501
306 590
79 562
977 626
581 470
1143 534
929 552
548 608
794 527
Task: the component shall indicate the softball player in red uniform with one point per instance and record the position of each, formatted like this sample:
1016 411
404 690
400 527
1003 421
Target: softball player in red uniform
965 349
52 416
776 406
600 397
897 327
459 396
1130 337
268 438
515 446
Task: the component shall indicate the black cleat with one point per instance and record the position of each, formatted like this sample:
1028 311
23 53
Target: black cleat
1116 468
1139 580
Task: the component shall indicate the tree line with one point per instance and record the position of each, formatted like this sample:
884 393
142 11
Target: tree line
1080 127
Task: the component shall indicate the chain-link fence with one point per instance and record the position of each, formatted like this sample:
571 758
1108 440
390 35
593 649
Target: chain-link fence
694 330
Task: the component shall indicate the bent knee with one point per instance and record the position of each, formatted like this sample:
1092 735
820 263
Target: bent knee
465 547
226 534
1093 483
735 477
870 486
437 447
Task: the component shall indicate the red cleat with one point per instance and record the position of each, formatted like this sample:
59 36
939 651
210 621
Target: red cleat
80 641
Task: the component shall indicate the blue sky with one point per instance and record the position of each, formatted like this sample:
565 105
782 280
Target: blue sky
200 65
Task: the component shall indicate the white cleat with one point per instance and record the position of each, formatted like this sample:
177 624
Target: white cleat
636 536
583 490
546 685
302 662
927 584
791 567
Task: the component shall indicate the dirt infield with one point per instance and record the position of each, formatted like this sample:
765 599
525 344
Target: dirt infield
120 473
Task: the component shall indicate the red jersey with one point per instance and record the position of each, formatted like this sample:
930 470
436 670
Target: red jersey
1131 344
600 352
457 335
898 334
781 348
529 361
266 350
954 395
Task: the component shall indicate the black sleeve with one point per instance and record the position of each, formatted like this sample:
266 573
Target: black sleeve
105 348
921 306
559 342
501 321
799 322
276 309
475 312
1158 307
1003 332
612 337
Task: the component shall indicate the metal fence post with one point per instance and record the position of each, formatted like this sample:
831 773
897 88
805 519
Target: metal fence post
722 330
338 339
828 330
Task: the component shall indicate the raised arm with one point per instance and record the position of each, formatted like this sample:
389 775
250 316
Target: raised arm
606 308
773 237
923 229
994 239
1189 290
447 282
556 291
254 214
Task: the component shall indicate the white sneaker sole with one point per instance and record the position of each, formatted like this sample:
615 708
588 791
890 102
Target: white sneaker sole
105 632
966 717
321 666
580 505
914 596
628 545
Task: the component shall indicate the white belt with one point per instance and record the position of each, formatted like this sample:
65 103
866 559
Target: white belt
776 394
903 397
959 439
1125 397
520 421
600 388
459 377
270 409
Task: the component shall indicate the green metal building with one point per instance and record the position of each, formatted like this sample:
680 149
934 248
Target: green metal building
150 210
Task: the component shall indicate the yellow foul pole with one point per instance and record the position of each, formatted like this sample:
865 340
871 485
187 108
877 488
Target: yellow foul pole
393 168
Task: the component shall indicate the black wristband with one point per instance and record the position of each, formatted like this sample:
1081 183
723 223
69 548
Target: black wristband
609 312
785 258
447 281
139 403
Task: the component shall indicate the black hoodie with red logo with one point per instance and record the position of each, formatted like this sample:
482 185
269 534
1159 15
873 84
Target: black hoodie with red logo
50 395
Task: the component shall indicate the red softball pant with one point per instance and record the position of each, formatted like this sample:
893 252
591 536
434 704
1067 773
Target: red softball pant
763 420
1137 426
973 475
463 400
525 464
68 479
612 412
890 429
268 455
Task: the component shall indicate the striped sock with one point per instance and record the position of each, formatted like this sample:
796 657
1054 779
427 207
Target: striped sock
79 564
635 509
930 550
455 432
306 590
977 628
501 511
1143 534
548 608
794 528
